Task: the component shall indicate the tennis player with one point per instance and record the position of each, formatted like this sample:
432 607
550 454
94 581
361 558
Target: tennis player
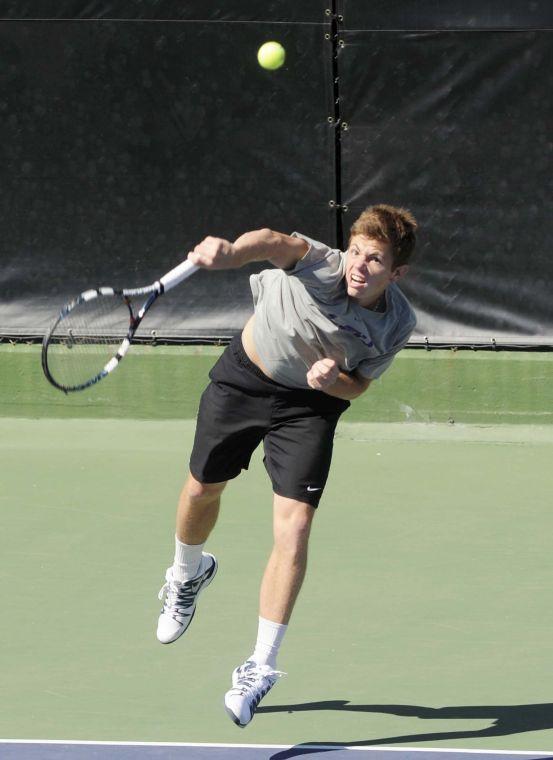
326 324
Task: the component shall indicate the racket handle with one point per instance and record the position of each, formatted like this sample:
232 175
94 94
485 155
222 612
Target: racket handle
177 275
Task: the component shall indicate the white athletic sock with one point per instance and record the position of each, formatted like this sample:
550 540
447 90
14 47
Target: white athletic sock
269 639
187 560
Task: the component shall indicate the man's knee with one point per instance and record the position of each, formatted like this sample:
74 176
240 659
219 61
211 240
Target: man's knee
199 492
292 522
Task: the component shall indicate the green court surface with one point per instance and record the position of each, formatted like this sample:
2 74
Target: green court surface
421 386
426 617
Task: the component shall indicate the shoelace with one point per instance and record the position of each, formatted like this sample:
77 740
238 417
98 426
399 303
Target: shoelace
251 680
178 595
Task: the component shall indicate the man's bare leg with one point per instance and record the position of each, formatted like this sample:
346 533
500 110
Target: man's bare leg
193 569
280 586
197 510
287 563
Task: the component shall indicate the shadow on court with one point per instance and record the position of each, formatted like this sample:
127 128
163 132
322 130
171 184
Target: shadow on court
507 720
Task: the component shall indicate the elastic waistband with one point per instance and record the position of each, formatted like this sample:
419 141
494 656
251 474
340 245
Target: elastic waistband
241 356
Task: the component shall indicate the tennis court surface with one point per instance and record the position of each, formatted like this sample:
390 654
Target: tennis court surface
424 625
99 751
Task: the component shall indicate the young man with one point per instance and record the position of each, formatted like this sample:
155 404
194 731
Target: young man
325 324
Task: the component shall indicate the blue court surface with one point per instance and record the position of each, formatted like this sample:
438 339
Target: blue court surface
54 750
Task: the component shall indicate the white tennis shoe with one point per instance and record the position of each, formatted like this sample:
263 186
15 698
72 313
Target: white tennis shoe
250 683
180 600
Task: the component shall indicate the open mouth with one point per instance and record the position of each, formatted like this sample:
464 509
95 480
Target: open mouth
357 280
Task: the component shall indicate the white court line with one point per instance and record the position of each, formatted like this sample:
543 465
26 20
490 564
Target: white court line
321 747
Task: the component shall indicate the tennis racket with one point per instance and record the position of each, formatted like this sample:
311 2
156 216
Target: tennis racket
94 332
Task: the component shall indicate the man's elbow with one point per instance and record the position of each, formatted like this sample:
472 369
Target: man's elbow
355 389
362 385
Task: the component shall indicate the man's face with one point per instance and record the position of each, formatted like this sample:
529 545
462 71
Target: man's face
369 269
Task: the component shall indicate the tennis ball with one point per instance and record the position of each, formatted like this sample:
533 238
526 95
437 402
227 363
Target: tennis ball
271 55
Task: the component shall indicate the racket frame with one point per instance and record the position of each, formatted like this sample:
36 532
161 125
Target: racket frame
170 280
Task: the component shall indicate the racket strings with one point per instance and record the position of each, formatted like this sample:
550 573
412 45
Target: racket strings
86 338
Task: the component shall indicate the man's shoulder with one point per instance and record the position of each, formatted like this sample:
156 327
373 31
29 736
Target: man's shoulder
401 303
317 249
405 317
321 270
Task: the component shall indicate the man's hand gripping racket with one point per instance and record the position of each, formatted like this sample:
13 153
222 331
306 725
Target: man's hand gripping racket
94 332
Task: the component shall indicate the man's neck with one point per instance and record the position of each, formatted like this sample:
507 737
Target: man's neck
379 303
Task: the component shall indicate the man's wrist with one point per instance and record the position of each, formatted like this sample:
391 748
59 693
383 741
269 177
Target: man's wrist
347 386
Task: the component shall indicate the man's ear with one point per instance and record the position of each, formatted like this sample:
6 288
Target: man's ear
399 272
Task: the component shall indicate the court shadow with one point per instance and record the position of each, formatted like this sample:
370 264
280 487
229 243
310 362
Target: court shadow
505 720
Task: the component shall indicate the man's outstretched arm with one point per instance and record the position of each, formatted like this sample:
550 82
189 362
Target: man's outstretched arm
259 245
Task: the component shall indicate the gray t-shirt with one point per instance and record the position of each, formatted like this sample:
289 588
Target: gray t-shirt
304 314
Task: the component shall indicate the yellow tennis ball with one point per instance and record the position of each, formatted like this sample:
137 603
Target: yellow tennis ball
271 55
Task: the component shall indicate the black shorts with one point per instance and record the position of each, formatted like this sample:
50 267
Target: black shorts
242 407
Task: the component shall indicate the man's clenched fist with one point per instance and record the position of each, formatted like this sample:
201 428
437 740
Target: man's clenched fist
323 374
214 253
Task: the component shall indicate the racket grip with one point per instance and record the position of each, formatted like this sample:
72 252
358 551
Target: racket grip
177 275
